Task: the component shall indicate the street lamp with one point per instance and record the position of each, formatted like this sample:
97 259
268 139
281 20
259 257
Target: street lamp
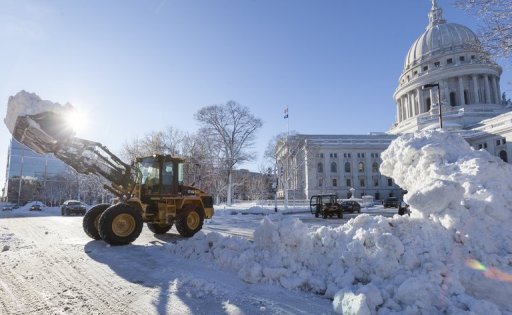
429 86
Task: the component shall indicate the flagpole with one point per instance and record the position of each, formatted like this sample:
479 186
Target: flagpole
286 168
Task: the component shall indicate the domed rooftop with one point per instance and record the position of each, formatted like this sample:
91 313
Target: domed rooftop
439 36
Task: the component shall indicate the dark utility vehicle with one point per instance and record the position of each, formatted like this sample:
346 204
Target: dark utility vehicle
391 202
72 207
325 206
351 206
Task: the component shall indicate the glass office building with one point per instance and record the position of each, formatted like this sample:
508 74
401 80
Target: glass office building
33 176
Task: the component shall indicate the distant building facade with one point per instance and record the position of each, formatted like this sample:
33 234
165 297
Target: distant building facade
445 69
32 176
346 165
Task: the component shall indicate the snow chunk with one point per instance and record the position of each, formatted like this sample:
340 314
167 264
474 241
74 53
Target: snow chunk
25 103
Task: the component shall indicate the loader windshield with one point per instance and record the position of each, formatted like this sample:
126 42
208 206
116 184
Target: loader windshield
148 168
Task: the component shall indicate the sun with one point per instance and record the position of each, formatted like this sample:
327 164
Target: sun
76 119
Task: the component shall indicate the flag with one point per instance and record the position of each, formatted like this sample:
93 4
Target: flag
286 113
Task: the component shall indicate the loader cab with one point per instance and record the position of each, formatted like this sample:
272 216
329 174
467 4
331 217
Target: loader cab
160 175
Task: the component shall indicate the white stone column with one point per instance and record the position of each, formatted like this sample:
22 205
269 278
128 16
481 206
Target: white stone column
404 108
476 99
398 110
487 90
461 91
410 105
421 103
495 90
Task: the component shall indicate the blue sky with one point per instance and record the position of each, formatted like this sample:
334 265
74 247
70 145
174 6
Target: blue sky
139 66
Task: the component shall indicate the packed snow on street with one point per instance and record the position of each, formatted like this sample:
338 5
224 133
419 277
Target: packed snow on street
453 254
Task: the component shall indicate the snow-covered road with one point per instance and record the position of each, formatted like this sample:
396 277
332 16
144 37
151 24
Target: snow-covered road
49 266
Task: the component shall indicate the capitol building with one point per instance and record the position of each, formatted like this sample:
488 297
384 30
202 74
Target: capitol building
448 81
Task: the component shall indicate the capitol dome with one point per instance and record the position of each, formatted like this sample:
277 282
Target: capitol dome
446 76
439 38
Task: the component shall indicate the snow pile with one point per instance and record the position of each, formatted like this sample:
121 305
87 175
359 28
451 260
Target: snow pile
25 103
418 264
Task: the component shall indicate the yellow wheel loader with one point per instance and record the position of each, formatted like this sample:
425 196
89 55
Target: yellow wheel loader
150 190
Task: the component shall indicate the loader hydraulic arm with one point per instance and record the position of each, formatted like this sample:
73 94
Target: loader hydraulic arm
47 133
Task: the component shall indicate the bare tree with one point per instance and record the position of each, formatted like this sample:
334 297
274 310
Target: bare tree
233 129
496 31
169 141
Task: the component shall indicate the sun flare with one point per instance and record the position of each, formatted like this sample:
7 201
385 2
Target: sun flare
76 119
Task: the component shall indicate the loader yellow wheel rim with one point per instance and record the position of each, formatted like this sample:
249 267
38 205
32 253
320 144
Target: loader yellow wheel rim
193 220
123 225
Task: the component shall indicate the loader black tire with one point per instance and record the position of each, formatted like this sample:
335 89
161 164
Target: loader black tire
91 220
190 220
120 224
159 228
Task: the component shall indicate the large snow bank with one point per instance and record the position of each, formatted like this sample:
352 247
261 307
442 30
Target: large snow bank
25 103
460 202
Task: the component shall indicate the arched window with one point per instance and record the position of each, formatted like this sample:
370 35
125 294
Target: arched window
429 104
503 155
320 168
453 100
375 167
334 167
347 167
360 167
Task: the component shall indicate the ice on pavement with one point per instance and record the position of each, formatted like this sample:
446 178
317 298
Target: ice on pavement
26 103
461 207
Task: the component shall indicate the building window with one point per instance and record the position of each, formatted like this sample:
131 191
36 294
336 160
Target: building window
375 167
333 155
334 167
504 140
437 64
320 182
472 57
347 167
453 100
375 182
415 72
390 182
348 182
498 142
334 182
320 168
429 104
480 146
344 155
466 97
425 68
361 182
485 145
461 58
360 167
449 61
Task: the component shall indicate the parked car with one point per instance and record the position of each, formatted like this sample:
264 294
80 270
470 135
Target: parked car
72 207
35 207
351 206
7 208
391 202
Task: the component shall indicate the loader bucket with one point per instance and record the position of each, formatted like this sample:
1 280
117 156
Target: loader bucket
43 132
